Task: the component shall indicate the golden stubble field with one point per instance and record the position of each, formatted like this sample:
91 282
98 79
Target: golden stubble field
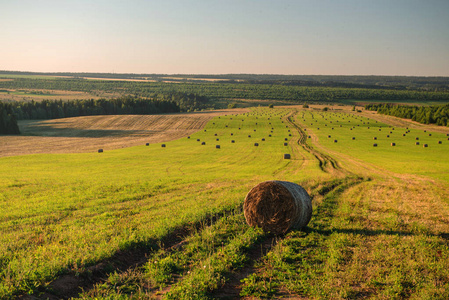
90 133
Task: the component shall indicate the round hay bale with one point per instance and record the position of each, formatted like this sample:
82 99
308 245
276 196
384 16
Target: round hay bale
289 135
328 136
256 144
286 139
217 139
374 145
393 144
263 139
416 143
217 146
100 150
147 144
353 137
287 156
310 136
249 135
277 206
335 141
269 135
232 141
440 142
285 144
197 140
188 137
215 134
425 145
403 134
203 143
374 138
163 145
417 138
430 134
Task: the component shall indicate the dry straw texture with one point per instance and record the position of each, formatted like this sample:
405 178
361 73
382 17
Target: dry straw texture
277 206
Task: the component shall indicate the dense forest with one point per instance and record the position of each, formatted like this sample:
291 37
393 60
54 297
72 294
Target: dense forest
231 90
46 109
435 114
8 122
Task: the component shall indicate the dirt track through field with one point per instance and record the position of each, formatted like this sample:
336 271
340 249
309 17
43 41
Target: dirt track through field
90 133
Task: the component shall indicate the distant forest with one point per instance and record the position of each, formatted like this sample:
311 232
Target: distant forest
205 91
434 114
370 82
8 121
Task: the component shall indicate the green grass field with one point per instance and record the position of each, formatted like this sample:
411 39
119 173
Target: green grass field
167 222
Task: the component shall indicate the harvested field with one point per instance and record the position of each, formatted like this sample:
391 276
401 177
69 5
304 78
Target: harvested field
88 134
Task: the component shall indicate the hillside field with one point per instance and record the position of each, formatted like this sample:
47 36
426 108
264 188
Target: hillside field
154 222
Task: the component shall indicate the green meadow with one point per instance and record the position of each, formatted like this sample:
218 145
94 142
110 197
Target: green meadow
379 230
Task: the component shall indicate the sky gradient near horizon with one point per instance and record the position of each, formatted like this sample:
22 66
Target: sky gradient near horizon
329 37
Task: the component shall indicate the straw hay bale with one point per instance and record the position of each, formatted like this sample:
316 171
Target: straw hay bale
285 144
425 145
374 145
232 141
393 144
256 144
163 145
416 143
277 206
217 146
100 150
203 143
287 156
440 142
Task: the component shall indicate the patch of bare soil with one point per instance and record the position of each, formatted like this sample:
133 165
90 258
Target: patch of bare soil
88 134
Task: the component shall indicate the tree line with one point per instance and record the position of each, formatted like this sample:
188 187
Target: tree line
8 121
434 114
47 109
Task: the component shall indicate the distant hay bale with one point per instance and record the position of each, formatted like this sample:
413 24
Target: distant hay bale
287 156
403 134
147 144
328 136
374 138
100 150
440 142
286 139
256 144
203 143
249 135
353 138
163 145
335 141
215 134
285 144
417 138
232 134
217 139
217 146
416 143
188 137
289 135
232 141
388 136
263 139
430 134
197 140
310 136
277 206
393 144
425 145
374 145
269 135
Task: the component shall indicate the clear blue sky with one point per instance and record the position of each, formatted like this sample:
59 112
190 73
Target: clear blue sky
349 37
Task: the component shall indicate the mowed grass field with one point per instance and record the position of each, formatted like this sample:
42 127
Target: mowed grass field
167 222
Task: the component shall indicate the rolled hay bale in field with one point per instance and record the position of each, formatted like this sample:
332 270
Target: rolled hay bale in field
440 142
232 141
197 140
263 139
286 139
188 137
430 134
147 144
393 144
277 206
249 135
335 141
203 143
425 145
328 136
285 144
374 138
217 139
416 143
287 156
353 137
100 150
256 144
416 138
403 134
310 136
374 145
163 145
215 134
217 146
290 134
